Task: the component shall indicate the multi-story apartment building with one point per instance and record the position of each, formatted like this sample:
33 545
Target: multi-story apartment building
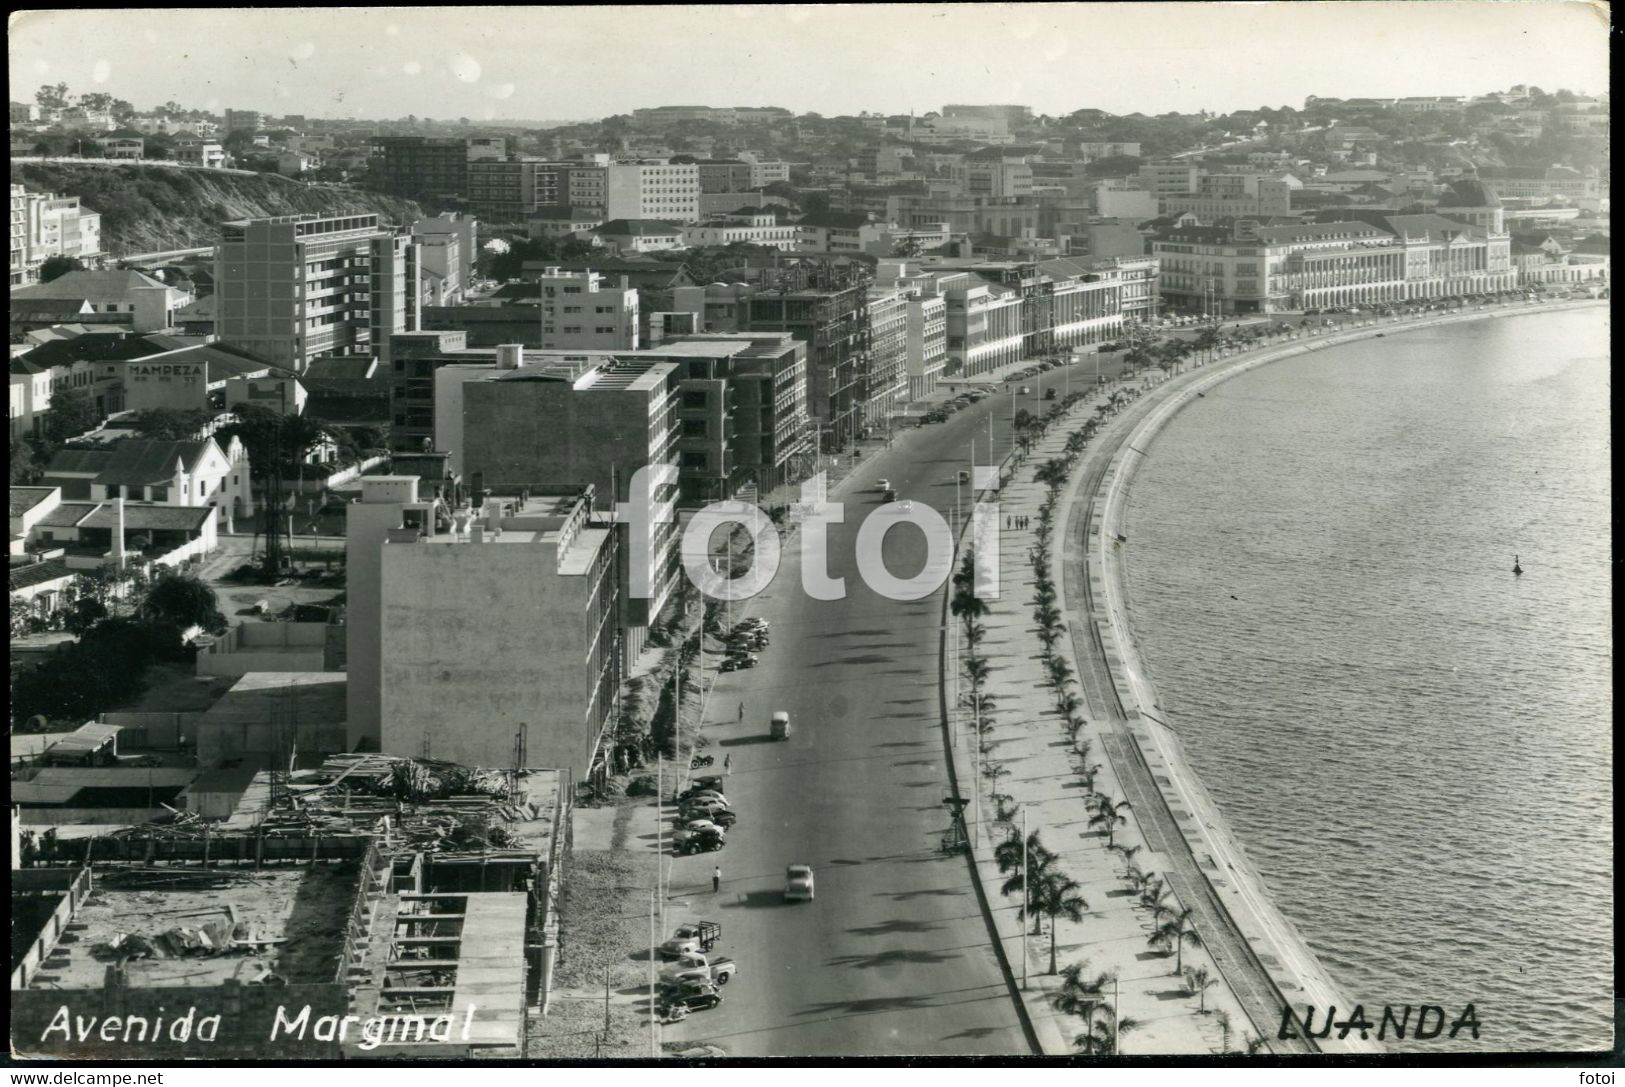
242 120
885 372
464 229
766 172
297 287
984 326
651 189
925 331
487 147
575 420
465 663
422 166
44 225
582 311
23 234
1233 196
743 415
837 232
1140 280
504 191
994 176
724 176
1104 149
1169 178
834 324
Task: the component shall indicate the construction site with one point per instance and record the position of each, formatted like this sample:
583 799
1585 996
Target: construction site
375 906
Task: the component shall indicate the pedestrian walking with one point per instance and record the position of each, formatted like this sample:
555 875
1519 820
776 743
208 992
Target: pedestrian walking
741 711
728 763
716 879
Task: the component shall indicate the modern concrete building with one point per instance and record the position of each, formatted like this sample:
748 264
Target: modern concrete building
389 507
583 311
242 120
651 189
576 419
833 322
885 371
44 225
504 626
751 229
422 166
298 287
743 415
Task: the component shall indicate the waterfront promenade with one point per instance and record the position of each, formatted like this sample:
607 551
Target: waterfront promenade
1171 827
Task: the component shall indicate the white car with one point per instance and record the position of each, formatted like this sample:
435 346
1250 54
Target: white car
798 883
905 505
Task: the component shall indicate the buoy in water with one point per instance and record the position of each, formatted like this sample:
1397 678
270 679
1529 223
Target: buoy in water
1516 567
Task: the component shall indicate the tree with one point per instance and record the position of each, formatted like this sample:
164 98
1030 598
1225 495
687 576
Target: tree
52 96
73 411
1108 814
1085 997
22 460
170 424
184 601
1176 931
274 442
1198 979
58 266
1027 876
83 614
1056 896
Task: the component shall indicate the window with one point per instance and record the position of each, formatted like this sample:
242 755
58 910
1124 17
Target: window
694 428
604 329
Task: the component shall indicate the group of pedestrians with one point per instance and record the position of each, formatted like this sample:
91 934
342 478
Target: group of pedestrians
1016 522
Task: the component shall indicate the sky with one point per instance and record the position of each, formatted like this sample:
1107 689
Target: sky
580 62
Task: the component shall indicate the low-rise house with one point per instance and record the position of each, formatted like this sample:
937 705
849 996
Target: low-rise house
179 473
115 296
639 235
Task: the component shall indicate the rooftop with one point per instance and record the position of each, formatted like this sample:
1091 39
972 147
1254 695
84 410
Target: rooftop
294 918
88 283
24 499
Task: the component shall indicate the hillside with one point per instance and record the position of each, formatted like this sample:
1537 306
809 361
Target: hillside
149 207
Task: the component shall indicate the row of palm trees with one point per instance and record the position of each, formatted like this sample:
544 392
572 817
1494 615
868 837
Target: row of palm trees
1049 892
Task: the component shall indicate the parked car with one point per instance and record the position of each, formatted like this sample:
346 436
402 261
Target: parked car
883 484
693 999
705 841
888 495
738 663
798 883
701 792
722 818
779 727
694 809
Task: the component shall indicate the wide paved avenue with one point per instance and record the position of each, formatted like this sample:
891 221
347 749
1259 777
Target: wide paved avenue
894 955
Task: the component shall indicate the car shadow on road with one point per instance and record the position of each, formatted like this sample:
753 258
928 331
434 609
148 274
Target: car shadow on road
904 896
739 741
757 900
887 928
897 956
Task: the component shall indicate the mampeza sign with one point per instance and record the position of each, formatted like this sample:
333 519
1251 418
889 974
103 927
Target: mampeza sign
167 369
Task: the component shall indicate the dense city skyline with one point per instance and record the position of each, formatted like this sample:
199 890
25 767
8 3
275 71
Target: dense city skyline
445 63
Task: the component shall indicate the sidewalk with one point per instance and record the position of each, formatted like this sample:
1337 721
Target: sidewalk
1027 757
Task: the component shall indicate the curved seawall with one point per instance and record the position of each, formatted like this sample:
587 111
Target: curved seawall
1276 949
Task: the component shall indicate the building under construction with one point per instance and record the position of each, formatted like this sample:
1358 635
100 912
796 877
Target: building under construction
375 907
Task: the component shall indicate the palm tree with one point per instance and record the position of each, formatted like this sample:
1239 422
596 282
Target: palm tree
967 605
1046 615
1176 930
1109 814
1199 980
1084 997
977 669
1040 870
1127 852
1056 896
1068 704
1154 897
974 633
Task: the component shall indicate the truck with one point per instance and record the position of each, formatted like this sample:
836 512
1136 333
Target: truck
695 967
691 937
